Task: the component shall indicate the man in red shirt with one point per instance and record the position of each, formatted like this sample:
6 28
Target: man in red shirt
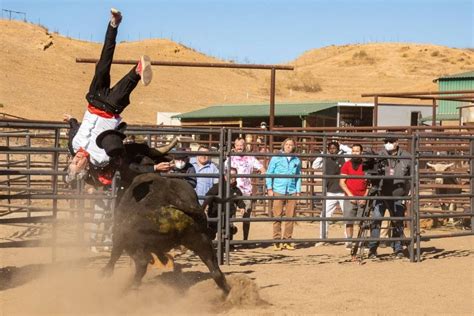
355 188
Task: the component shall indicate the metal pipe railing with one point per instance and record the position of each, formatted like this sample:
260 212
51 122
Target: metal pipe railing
414 143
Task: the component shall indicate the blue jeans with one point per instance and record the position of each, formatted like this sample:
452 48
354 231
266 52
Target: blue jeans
396 209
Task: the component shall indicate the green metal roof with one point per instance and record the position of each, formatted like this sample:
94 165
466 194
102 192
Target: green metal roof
441 117
463 75
257 110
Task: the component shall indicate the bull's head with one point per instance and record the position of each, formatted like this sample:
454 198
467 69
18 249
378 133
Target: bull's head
439 168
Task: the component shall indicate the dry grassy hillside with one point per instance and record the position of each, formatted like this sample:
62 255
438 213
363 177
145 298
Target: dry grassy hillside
347 71
41 80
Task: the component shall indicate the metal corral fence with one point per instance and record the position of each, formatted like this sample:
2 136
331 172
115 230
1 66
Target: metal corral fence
33 157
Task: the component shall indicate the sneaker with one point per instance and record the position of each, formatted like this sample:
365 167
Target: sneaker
289 247
321 243
348 245
277 247
372 254
144 70
399 255
116 17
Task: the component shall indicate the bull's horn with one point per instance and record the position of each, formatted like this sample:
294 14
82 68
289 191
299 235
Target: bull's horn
430 165
166 148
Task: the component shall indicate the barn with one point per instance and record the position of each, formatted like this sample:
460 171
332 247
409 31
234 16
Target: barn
448 112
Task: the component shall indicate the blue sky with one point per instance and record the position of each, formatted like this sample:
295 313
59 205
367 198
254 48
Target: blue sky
260 31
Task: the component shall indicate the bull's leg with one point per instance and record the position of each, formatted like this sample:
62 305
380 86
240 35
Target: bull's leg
201 245
141 259
117 250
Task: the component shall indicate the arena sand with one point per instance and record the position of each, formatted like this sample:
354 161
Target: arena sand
309 280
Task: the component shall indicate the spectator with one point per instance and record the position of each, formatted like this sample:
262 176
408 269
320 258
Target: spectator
262 139
249 147
212 203
285 165
333 189
353 188
245 165
391 187
202 164
130 139
181 164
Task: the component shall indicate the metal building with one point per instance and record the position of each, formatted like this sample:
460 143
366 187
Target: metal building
448 111
307 114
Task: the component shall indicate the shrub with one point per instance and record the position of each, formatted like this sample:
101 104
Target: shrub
303 81
360 55
363 57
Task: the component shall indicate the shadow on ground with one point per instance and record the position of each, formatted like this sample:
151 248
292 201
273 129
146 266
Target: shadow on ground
13 276
438 253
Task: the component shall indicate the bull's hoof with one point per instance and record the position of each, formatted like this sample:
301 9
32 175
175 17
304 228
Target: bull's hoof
106 272
226 290
131 287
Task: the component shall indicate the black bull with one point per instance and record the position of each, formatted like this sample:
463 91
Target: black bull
155 215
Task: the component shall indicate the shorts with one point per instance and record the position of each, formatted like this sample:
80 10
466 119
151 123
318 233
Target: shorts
352 210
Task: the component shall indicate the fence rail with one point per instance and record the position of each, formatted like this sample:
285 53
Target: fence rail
33 155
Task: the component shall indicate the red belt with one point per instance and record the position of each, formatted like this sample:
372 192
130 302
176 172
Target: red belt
92 109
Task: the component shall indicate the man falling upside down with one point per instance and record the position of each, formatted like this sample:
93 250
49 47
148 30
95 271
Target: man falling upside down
104 107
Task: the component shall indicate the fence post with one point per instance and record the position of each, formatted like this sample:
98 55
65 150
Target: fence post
413 201
113 203
55 192
8 176
416 207
322 224
28 177
471 168
220 254
228 233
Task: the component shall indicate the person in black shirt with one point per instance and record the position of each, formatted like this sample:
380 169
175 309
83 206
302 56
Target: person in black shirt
397 167
181 164
212 203
333 189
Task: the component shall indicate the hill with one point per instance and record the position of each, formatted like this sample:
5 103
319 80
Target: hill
41 80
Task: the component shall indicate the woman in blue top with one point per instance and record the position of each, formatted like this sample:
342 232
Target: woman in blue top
287 165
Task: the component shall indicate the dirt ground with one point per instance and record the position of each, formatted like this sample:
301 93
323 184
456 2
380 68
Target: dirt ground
308 280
